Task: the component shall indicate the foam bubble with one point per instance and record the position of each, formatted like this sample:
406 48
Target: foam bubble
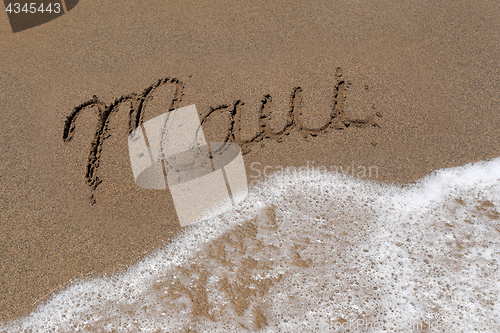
308 252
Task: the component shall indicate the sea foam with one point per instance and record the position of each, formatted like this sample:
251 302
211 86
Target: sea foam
312 251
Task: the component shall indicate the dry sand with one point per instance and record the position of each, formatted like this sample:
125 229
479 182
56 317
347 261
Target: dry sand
405 87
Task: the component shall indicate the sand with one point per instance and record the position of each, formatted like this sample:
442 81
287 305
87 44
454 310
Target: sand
404 88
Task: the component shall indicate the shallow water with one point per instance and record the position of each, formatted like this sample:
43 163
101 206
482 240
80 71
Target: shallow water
312 251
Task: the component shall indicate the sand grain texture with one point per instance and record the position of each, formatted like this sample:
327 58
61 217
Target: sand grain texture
408 88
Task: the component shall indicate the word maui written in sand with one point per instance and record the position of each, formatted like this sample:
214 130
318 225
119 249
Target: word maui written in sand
337 119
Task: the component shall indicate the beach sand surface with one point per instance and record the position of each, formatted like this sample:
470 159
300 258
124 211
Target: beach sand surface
408 88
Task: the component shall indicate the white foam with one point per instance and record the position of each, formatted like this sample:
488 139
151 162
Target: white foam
312 251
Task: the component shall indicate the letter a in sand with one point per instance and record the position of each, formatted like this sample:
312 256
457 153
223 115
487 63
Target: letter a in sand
204 179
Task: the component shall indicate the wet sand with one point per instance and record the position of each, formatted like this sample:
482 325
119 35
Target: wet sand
404 88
